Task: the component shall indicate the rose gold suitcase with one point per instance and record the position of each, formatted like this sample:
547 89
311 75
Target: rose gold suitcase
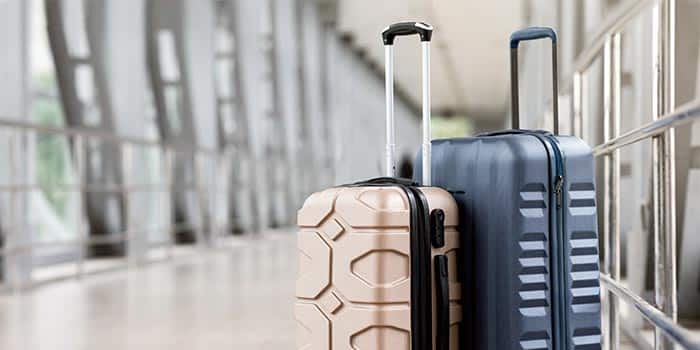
378 259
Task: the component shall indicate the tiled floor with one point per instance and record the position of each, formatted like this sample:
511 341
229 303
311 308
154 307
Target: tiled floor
238 298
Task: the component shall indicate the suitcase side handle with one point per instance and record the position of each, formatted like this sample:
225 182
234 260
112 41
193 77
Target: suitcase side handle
532 33
425 31
442 290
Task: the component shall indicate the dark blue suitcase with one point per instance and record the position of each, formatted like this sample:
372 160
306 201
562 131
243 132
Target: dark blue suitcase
528 215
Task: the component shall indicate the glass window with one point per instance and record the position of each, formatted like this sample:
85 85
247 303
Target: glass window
151 128
43 81
224 39
74 27
85 86
228 120
84 83
173 106
224 78
53 206
94 159
53 172
167 56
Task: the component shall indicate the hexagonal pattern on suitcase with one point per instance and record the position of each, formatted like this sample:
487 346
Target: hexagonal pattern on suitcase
353 289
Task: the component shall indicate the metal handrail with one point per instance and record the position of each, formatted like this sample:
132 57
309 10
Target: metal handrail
607 43
614 23
679 335
76 139
102 135
687 113
143 188
119 237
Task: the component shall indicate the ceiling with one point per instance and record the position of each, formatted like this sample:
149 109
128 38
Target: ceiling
469 55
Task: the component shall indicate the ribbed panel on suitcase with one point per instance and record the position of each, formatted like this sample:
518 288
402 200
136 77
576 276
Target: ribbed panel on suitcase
530 258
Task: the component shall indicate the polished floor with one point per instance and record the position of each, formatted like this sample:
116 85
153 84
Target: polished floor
237 297
234 298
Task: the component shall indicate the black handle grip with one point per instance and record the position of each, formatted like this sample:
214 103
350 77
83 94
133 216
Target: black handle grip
442 293
423 29
532 33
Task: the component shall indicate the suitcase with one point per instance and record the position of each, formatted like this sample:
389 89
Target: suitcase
528 213
378 258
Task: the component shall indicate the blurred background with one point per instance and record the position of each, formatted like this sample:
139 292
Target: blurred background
154 152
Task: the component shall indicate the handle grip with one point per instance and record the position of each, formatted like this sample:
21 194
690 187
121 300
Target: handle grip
424 30
532 33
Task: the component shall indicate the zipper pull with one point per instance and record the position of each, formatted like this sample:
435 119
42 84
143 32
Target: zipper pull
558 186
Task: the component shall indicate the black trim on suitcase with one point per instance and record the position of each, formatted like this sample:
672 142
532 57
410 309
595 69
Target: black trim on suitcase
556 241
421 283
421 296
442 301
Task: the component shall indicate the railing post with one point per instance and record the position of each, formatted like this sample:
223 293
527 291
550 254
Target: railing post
663 173
20 235
577 120
663 179
611 207
199 198
212 197
78 145
14 271
219 196
669 166
606 312
136 240
614 243
168 198
585 129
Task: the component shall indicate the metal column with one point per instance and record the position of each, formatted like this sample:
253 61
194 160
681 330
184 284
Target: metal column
612 77
577 115
663 172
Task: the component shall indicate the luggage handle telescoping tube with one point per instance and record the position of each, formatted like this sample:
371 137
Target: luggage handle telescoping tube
425 31
532 33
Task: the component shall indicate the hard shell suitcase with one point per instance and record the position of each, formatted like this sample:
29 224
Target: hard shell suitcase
378 258
528 213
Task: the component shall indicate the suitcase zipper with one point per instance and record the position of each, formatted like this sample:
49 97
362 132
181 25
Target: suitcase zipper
559 181
421 282
421 292
558 184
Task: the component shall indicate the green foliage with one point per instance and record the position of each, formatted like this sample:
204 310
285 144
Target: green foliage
443 127
45 82
52 164
47 112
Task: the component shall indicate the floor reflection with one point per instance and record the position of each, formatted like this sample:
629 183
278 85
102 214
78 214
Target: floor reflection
239 297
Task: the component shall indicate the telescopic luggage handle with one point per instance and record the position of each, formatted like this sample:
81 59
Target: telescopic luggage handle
425 31
532 33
